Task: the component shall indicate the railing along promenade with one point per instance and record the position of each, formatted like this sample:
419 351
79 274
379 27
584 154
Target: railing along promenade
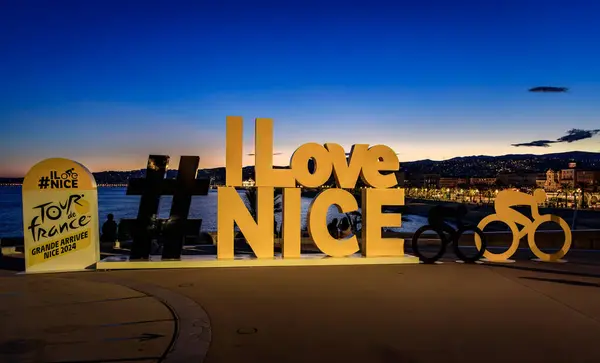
583 239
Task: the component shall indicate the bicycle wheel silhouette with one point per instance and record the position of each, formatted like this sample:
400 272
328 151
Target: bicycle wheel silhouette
418 248
480 249
64 176
550 257
498 257
74 175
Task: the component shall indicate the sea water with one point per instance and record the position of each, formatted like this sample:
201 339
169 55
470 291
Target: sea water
114 200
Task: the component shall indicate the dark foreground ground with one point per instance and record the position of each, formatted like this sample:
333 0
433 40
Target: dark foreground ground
449 312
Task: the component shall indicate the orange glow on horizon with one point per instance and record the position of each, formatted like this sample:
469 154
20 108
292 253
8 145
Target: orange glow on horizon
215 157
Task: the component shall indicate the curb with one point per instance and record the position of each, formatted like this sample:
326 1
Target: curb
193 334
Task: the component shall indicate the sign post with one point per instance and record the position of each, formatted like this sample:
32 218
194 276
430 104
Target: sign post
60 217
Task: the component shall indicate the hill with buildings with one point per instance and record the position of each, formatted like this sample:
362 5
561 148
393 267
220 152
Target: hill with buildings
471 166
490 166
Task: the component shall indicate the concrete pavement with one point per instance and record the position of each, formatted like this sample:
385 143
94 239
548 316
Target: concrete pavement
521 312
439 313
57 319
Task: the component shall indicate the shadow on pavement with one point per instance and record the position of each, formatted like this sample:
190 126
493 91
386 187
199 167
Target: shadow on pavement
124 360
561 281
543 270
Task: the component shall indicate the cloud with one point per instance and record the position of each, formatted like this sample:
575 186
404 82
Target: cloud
537 143
578 134
571 136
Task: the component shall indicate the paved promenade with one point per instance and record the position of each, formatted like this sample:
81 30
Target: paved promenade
53 319
450 312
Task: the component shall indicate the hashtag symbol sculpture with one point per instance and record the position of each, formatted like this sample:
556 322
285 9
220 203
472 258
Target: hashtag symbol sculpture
151 189
44 182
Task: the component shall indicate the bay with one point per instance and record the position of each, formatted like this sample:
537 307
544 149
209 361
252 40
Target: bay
114 200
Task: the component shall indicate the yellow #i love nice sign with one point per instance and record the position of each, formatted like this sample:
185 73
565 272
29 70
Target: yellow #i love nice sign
366 162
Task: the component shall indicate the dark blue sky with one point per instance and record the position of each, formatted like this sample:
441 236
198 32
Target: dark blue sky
97 80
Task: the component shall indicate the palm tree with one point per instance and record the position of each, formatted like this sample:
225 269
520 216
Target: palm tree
585 200
567 189
251 202
277 208
581 191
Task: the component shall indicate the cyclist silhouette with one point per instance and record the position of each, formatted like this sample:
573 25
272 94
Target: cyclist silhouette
448 234
69 173
504 203
438 214
507 199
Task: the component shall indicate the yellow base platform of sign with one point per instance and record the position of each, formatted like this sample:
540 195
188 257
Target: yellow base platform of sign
200 261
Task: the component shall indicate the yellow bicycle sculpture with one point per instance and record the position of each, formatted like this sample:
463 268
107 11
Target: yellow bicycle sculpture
503 204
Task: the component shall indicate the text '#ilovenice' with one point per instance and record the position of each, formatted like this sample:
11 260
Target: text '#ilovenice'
61 246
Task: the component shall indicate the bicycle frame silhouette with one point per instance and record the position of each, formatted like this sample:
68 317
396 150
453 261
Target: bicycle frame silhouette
503 205
453 237
529 231
69 173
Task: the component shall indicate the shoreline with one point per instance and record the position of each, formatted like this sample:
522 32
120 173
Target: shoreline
586 219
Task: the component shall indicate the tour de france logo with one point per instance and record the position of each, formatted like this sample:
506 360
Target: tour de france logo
65 180
60 227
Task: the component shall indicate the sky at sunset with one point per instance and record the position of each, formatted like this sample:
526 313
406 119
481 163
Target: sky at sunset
108 82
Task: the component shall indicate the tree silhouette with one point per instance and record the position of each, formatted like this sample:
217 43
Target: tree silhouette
251 196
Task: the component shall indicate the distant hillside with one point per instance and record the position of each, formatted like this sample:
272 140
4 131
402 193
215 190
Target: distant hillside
470 166
491 166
